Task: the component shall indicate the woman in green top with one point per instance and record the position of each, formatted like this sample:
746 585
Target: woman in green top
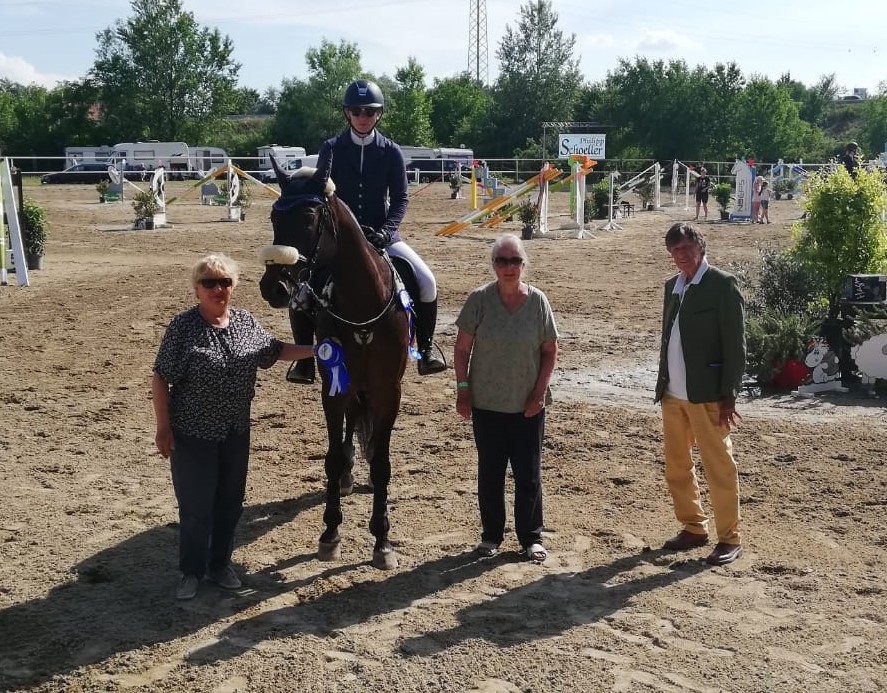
506 351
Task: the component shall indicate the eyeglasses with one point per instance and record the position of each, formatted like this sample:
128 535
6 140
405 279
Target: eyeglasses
515 261
368 111
212 282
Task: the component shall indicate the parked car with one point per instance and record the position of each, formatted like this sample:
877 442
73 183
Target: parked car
89 172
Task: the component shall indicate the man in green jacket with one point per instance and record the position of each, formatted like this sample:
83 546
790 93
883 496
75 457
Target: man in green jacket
701 363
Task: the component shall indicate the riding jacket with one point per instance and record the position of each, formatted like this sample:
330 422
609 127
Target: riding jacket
370 178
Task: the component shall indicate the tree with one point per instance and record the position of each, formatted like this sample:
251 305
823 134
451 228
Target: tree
842 232
310 111
460 110
408 120
161 76
539 77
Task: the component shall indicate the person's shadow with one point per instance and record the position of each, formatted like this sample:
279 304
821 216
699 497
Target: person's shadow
555 603
547 606
110 605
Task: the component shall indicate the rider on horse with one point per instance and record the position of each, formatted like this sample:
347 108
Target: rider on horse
370 176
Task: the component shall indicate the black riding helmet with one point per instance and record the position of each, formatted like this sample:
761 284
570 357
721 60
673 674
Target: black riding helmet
362 92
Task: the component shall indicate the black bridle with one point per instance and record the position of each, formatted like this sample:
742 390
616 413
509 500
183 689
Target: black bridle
302 293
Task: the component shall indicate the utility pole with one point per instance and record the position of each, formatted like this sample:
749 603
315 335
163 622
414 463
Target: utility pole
478 61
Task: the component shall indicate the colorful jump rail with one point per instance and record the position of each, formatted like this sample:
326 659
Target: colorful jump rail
496 205
587 166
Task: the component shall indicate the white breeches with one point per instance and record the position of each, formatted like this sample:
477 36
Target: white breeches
427 283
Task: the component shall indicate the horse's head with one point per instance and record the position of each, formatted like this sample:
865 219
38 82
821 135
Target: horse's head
301 222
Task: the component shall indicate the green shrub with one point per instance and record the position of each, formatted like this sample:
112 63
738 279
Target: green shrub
35 227
773 337
842 232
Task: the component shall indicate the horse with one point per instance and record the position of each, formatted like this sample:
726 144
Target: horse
363 310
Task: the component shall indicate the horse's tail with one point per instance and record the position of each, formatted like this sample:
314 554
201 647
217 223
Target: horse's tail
363 426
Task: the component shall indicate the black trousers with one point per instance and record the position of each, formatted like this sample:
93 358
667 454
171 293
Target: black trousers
502 439
209 478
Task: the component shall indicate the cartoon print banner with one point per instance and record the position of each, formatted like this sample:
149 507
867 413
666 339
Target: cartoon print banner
590 145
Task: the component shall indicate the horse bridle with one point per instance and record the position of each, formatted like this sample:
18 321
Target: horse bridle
302 288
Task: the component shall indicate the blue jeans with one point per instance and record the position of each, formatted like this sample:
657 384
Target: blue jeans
209 478
500 439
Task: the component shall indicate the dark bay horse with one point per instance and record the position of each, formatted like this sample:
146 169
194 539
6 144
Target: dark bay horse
361 310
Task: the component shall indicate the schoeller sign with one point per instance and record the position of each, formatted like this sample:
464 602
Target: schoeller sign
590 145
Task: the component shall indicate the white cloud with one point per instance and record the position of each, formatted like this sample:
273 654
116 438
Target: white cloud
19 70
594 41
664 41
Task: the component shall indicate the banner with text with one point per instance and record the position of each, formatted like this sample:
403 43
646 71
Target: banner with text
590 145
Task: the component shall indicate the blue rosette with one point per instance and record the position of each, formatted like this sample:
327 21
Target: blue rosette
407 303
332 356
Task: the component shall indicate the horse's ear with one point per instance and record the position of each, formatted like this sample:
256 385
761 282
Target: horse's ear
324 167
281 174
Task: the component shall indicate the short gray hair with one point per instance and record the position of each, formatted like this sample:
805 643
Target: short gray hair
509 240
215 264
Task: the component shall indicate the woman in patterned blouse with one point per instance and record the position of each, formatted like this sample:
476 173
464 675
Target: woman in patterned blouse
203 384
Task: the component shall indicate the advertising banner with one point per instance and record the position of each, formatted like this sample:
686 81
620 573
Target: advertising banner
593 146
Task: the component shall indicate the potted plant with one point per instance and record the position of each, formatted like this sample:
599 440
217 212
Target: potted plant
723 193
455 186
244 200
780 188
102 188
145 205
34 227
775 346
529 218
645 193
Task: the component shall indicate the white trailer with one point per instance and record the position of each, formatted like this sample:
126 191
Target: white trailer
86 154
173 156
205 158
280 152
412 153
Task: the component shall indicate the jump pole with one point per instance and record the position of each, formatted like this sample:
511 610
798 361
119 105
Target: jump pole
7 201
611 224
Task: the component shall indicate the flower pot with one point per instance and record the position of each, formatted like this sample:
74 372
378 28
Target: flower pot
526 233
725 215
792 374
101 199
243 216
34 261
149 224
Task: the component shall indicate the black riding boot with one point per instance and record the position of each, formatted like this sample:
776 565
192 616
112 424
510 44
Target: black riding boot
426 320
303 331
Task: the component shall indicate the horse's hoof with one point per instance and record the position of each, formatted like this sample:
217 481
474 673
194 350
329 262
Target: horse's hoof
384 559
329 550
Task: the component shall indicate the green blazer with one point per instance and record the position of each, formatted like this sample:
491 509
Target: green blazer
712 321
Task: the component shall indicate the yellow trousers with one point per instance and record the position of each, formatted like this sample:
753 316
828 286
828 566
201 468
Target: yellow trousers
685 424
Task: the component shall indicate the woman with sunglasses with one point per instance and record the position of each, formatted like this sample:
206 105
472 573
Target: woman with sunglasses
203 385
506 351
371 178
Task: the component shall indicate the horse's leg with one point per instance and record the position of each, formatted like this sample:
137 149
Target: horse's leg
384 556
328 548
346 481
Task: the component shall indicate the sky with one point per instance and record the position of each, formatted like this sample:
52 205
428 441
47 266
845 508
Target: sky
44 41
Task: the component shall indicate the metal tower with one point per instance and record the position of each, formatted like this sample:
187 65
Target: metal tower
478 63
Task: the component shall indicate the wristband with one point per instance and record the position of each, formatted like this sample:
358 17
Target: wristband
462 384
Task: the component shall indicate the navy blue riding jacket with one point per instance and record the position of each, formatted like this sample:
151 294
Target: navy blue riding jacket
376 191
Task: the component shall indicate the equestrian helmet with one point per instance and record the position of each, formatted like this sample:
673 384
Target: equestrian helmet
362 92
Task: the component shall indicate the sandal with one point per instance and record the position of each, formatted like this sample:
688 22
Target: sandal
487 548
536 553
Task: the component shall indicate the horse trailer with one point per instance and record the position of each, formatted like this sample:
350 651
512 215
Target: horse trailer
280 152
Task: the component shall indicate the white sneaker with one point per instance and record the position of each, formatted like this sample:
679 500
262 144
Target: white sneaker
187 588
225 578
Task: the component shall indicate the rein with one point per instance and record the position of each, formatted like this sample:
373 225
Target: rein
301 289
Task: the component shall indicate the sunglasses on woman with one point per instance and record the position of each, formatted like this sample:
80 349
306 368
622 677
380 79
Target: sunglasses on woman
212 282
515 261
358 111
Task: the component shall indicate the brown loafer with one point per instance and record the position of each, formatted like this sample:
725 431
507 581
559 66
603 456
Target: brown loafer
684 540
724 554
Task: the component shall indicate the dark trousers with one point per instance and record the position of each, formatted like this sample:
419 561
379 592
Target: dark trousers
209 478
500 439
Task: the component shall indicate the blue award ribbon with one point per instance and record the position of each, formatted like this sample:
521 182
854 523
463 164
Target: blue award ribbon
407 303
332 356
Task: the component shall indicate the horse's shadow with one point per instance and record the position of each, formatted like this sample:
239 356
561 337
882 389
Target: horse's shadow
543 608
110 604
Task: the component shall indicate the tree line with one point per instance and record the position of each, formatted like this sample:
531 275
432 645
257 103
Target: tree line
159 75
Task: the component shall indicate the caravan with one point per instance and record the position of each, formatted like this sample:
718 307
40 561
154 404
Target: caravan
85 154
281 153
205 159
179 160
